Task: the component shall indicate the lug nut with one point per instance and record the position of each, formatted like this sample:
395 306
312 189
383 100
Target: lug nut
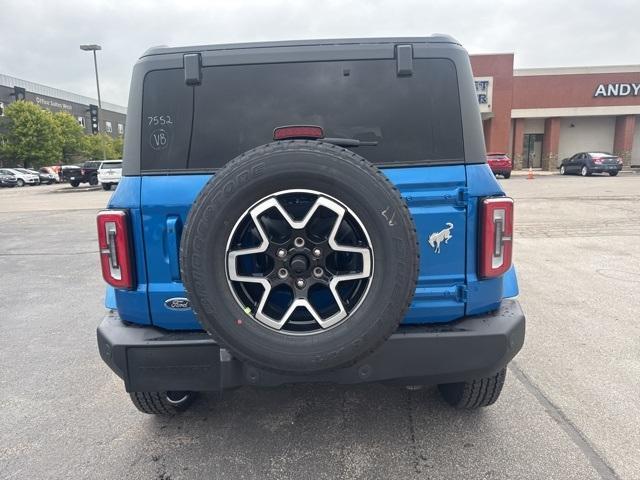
300 283
282 273
281 253
317 252
299 242
317 272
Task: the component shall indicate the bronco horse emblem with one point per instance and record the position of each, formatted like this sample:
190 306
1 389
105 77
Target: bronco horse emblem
444 235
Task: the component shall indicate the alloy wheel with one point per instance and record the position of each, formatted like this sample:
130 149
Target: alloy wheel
299 262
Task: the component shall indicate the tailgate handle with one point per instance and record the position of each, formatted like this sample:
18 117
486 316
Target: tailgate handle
174 232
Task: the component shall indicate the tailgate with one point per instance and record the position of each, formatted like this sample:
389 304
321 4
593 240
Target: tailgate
436 197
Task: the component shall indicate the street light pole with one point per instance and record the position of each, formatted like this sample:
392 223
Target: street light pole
94 48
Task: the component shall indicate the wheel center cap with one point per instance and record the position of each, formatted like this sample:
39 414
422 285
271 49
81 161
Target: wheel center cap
299 264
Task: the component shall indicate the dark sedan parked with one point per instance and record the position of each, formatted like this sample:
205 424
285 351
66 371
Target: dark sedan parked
586 163
7 180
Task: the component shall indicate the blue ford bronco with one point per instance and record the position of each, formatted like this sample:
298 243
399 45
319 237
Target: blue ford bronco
310 211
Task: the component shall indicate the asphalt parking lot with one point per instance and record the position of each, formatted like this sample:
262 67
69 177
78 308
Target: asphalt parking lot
569 409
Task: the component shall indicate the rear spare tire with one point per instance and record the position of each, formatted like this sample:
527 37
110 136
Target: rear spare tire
299 257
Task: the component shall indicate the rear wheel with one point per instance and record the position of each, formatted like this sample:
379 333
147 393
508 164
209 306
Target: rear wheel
584 171
93 180
75 183
162 403
506 174
613 174
474 394
20 182
106 186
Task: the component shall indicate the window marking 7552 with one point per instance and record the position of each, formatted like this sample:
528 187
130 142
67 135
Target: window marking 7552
155 120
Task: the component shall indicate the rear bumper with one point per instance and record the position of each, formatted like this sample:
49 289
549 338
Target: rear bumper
500 169
605 168
151 359
106 179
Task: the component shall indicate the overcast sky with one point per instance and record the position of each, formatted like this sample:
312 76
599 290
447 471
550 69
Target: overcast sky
40 38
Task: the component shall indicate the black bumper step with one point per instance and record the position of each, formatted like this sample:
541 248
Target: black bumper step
150 359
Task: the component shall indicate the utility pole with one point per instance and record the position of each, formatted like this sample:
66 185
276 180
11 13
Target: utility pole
93 48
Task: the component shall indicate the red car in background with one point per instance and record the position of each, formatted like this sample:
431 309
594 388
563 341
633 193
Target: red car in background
500 163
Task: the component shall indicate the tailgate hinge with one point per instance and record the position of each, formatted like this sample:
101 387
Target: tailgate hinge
461 293
192 69
462 197
404 60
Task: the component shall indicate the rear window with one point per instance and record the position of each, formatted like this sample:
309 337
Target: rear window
106 165
415 119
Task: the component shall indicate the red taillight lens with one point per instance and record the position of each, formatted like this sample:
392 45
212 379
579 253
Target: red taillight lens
115 252
298 131
496 241
82 171
597 160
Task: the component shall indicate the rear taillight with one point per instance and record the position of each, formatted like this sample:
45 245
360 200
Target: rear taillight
597 160
115 252
82 171
496 240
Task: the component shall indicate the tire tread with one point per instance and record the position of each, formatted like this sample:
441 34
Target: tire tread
474 394
155 403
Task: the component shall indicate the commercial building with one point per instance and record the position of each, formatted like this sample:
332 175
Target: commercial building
111 119
542 115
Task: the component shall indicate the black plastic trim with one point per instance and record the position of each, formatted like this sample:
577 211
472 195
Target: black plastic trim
151 359
436 38
430 163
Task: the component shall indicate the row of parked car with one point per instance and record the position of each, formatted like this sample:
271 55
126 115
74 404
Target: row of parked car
12 177
107 173
583 163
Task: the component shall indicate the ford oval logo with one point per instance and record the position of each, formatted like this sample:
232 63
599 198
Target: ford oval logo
177 303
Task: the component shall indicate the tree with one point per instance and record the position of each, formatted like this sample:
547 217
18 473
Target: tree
93 145
31 136
71 135
118 146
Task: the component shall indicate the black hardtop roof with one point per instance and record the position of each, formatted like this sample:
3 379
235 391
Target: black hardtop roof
435 38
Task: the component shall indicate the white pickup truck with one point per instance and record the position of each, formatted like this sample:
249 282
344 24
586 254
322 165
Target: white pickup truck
109 173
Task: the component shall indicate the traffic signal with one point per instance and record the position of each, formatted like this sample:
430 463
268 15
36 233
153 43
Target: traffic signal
93 113
20 93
